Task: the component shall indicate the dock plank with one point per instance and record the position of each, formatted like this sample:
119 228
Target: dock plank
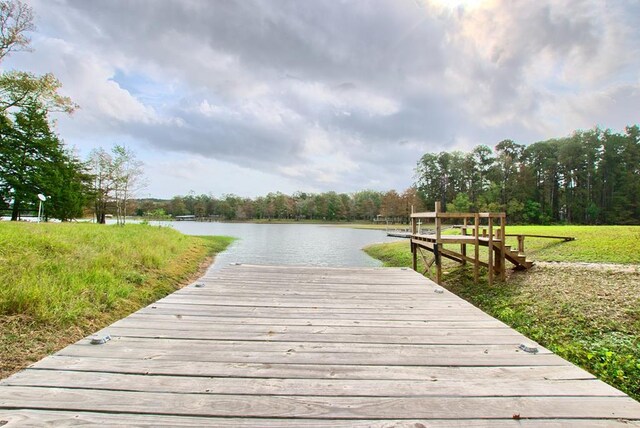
309 347
66 418
478 386
321 369
286 406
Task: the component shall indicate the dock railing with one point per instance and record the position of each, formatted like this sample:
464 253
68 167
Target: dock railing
477 229
487 229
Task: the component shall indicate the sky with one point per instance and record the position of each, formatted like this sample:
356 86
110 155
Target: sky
250 97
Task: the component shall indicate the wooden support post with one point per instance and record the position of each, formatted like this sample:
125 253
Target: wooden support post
490 252
520 244
414 256
496 252
503 238
414 249
437 245
476 256
463 247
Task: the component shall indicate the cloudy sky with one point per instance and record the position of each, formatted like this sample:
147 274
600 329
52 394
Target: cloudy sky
249 97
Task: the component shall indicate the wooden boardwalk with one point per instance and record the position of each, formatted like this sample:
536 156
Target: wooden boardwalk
310 347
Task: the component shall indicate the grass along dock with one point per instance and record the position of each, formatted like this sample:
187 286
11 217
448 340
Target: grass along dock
304 346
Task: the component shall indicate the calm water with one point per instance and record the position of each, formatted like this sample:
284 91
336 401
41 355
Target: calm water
289 244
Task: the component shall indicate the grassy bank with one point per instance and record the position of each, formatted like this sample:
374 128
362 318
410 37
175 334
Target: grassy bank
60 282
588 314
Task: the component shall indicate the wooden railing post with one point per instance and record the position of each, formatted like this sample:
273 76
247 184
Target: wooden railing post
476 256
520 244
463 247
437 245
503 238
414 248
490 251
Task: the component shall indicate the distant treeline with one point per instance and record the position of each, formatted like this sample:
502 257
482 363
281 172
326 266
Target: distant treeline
590 177
330 206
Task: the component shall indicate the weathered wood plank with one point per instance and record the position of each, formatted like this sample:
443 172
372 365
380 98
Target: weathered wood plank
316 313
424 330
320 369
274 301
282 406
275 335
475 387
127 344
50 418
351 358
365 296
392 322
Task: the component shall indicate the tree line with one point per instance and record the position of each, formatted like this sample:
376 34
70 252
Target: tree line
326 206
590 177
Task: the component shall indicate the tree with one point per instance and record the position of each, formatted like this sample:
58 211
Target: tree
101 163
507 168
589 177
461 203
127 179
412 202
19 89
68 185
33 160
16 18
116 176
392 206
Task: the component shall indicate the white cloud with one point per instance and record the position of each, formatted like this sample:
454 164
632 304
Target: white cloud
316 95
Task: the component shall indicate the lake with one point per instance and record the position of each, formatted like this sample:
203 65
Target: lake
289 244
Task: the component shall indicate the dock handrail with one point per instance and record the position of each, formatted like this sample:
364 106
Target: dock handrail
491 234
521 237
495 238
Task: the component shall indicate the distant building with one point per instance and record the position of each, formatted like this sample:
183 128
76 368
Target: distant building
185 218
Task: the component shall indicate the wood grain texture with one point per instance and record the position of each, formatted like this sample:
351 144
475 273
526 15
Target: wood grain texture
310 347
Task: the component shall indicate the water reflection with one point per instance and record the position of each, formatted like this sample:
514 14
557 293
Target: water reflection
289 244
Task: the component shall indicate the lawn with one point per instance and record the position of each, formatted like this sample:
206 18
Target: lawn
61 282
588 313
597 244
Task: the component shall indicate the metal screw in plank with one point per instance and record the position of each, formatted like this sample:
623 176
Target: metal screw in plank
527 348
96 340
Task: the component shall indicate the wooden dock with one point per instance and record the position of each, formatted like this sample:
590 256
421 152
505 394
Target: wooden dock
310 347
491 235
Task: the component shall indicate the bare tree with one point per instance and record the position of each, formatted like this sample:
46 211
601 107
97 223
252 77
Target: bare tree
117 176
101 167
16 18
128 179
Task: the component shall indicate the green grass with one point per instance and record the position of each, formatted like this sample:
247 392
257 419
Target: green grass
597 244
80 277
593 244
586 314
